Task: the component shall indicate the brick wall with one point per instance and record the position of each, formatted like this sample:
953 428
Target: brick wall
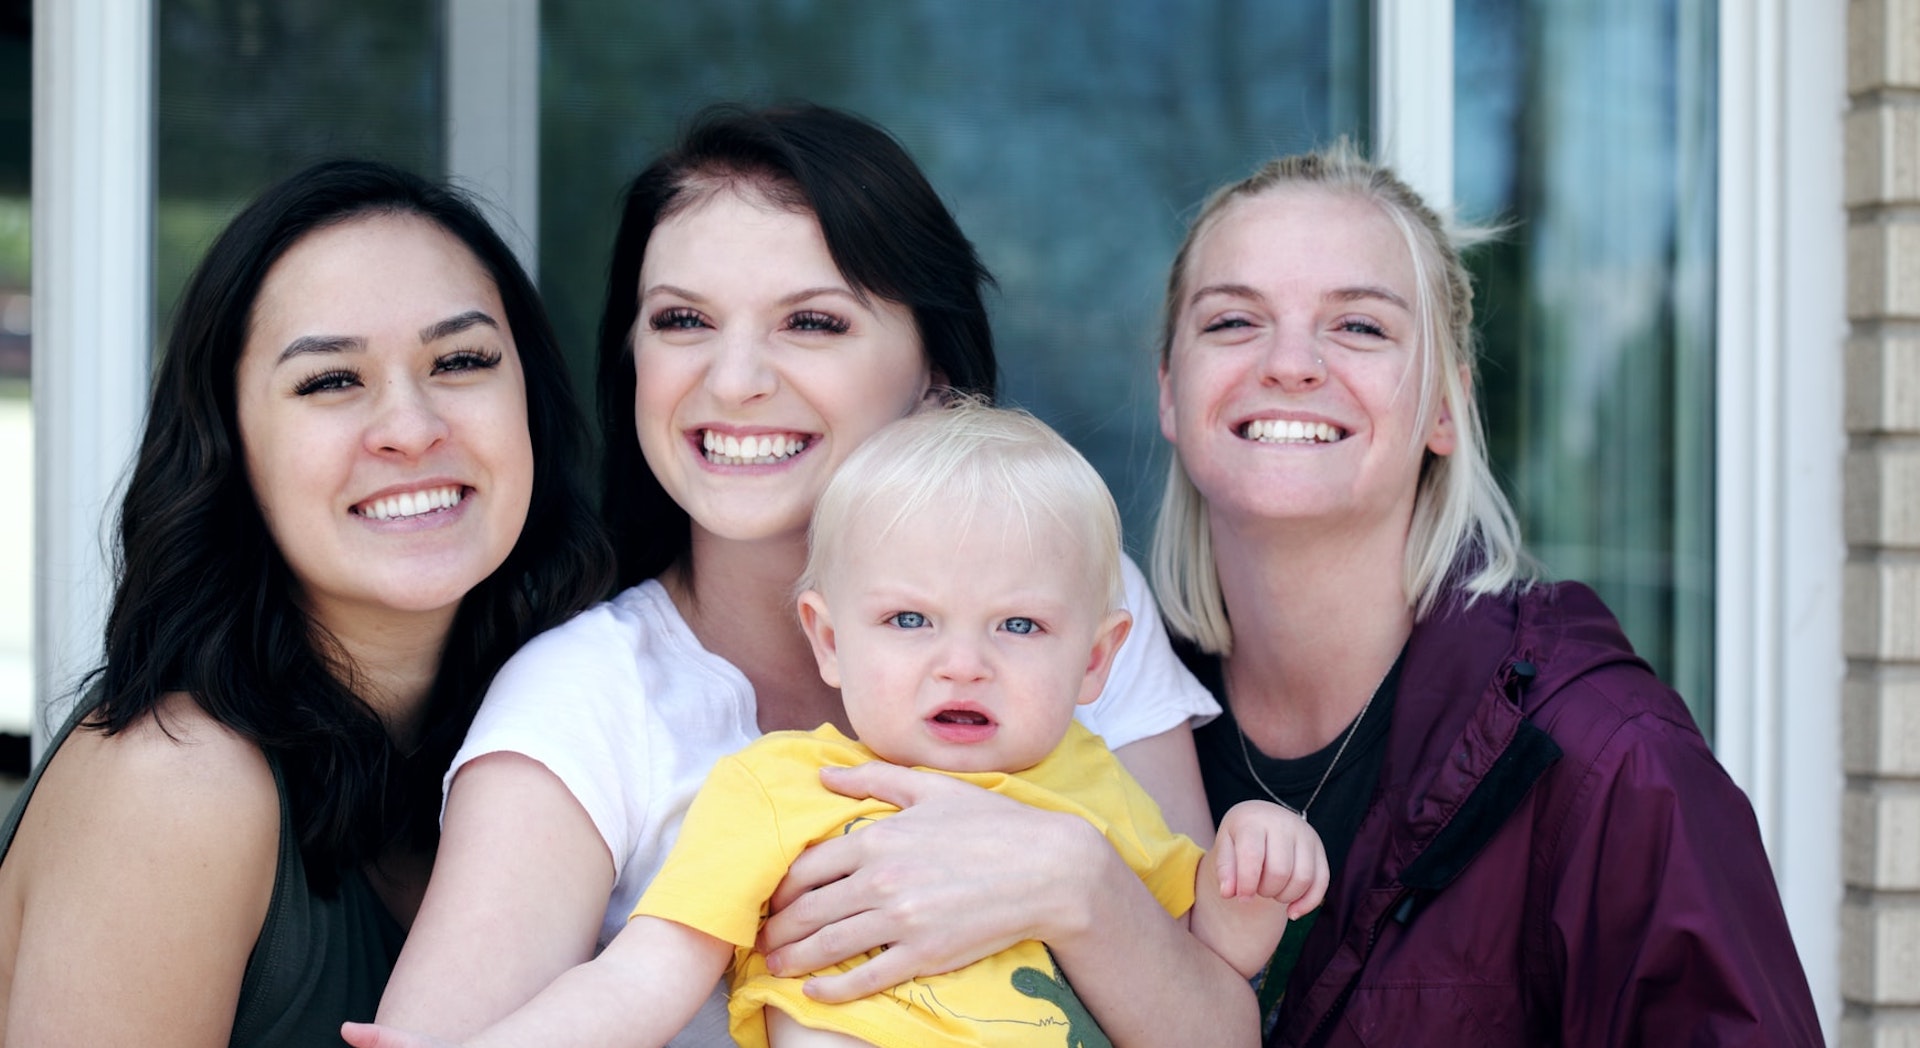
1880 925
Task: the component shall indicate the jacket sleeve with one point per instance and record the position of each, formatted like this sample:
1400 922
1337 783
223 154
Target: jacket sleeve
1663 920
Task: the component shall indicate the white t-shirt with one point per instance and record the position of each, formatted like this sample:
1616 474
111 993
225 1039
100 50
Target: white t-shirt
630 712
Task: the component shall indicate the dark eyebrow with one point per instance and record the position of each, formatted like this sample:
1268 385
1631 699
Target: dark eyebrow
669 289
454 325
320 344
1355 294
812 292
785 300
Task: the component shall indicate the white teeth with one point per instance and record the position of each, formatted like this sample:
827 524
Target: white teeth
750 451
1291 431
411 503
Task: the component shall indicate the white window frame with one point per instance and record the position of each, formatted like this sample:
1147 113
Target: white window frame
92 315
492 53
1413 94
1780 323
1781 441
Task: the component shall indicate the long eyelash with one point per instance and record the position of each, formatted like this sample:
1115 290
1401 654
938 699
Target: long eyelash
672 317
813 320
333 378
468 360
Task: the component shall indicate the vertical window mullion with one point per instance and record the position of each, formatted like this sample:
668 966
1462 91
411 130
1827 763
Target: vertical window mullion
1413 93
93 107
492 96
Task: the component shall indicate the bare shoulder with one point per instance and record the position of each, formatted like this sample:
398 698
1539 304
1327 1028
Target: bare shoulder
172 772
145 859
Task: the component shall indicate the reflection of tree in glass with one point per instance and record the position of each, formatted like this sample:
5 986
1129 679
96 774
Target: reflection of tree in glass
1592 129
251 90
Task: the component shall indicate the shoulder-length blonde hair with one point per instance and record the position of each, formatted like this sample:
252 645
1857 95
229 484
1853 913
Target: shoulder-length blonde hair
1464 535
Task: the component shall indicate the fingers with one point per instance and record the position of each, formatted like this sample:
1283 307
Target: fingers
898 786
839 941
369 1035
1317 877
819 866
1264 865
882 972
1264 850
899 880
1223 863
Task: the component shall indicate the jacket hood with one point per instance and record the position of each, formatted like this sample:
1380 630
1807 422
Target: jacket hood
1474 678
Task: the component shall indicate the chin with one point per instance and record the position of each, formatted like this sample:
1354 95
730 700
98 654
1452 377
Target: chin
434 593
425 603
759 528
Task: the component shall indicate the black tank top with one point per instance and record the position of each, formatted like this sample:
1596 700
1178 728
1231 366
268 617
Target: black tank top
319 960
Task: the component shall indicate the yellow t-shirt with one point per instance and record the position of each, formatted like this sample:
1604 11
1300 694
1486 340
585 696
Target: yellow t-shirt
762 806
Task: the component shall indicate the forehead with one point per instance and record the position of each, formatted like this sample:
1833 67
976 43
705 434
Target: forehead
1303 234
369 272
958 541
735 227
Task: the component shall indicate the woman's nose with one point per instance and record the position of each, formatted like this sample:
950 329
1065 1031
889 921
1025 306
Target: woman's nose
1292 360
405 422
741 370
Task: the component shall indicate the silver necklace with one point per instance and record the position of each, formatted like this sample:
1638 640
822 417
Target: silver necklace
1246 754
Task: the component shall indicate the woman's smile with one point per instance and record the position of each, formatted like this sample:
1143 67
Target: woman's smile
723 448
757 367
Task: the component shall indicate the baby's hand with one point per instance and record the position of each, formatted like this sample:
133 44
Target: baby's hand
1267 851
369 1035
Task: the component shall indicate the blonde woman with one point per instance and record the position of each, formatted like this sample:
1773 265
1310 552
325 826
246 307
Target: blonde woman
1531 843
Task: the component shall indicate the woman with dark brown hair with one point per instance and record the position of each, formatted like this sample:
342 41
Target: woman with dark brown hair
354 499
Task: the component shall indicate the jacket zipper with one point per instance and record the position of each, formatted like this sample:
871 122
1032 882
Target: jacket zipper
1346 992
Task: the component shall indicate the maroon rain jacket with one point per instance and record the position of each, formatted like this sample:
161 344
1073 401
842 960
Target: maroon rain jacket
1553 857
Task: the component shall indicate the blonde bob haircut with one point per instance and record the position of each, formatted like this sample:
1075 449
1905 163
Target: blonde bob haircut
1464 537
956 460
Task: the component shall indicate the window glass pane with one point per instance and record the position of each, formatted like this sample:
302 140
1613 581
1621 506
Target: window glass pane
1591 126
251 90
1071 140
16 407
16 469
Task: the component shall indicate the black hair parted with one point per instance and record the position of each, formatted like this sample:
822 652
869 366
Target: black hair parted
888 232
206 605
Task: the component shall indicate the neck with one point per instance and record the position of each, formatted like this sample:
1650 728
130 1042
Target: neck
1319 615
394 657
738 599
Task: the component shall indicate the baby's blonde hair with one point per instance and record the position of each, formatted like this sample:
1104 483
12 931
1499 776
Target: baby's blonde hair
957 459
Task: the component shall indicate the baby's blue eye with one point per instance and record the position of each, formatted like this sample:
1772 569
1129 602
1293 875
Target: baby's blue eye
908 620
1019 624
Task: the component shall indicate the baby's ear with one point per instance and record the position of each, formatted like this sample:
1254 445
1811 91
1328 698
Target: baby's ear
1107 639
818 626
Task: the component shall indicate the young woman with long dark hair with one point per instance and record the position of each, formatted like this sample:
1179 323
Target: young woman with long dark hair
353 500
784 283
